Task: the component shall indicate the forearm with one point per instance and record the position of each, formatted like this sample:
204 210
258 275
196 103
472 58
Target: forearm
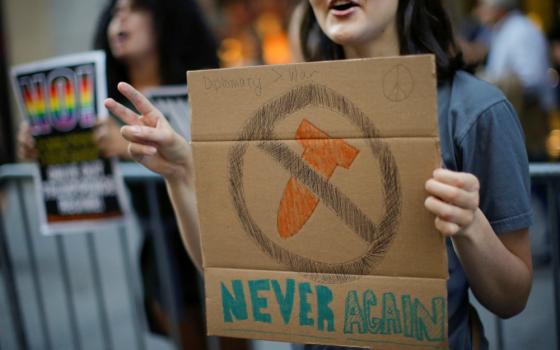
183 198
500 279
153 143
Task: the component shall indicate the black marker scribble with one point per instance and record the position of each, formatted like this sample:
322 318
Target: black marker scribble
261 127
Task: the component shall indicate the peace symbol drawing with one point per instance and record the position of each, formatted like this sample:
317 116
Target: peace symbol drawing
398 83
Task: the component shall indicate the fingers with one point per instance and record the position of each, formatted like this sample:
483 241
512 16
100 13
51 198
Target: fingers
27 153
453 199
448 212
452 194
25 138
139 152
146 134
125 114
99 132
466 181
140 102
27 148
144 155
446 228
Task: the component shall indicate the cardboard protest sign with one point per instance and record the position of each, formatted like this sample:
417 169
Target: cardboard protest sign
172 101
310 188
62 98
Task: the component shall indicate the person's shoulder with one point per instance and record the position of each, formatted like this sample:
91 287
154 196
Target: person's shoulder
519 26
467 103
473 96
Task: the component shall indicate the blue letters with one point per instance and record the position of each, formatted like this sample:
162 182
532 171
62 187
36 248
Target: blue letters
324 312
286 301
234 305
259 302
304 306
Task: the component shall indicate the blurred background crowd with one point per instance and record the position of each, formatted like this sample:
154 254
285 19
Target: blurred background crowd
513 43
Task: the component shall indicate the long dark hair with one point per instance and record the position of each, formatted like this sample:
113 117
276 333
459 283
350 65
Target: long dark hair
423 27
184 41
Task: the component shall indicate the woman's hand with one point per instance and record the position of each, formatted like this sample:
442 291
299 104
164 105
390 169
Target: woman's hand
107 136
26 147
153 143
159 148
498 268
453 199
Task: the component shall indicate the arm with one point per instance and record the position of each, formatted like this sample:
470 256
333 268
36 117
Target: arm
154 144
498 268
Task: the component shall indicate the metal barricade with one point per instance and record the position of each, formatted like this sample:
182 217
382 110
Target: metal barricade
546 175
549 174
75 291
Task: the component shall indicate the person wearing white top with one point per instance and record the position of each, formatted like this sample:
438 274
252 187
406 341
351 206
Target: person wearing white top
517 47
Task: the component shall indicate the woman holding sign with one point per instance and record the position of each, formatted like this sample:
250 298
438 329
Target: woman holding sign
480 197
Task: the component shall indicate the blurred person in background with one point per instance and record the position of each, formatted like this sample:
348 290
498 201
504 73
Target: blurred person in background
151 43
553 141
518 62
154 43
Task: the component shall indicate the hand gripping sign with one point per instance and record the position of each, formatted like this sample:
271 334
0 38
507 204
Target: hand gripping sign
310 196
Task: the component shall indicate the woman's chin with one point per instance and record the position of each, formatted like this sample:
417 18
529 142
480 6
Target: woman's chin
118 52
343 39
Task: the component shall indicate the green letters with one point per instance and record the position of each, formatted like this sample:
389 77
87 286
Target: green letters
430 326
390 315
385 317
353 314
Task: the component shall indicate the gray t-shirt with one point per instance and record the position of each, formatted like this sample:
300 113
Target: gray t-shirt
480 134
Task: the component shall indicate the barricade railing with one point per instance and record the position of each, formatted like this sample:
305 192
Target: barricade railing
549 175
29 316
27 259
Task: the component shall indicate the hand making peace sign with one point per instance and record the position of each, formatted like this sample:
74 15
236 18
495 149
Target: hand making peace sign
153 143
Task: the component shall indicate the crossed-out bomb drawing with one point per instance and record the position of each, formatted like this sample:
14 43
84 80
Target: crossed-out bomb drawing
309 180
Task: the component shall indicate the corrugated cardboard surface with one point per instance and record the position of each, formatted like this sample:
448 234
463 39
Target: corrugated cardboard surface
315 173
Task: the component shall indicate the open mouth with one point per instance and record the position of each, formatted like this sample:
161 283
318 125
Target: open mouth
342 5
122 35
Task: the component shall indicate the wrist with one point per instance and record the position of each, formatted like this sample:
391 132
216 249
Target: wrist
180 175
473 232
179 158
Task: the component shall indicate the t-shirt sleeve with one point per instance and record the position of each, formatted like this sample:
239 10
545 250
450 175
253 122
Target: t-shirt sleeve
493 149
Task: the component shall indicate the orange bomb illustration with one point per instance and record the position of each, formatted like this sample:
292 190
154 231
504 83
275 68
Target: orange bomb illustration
324 155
